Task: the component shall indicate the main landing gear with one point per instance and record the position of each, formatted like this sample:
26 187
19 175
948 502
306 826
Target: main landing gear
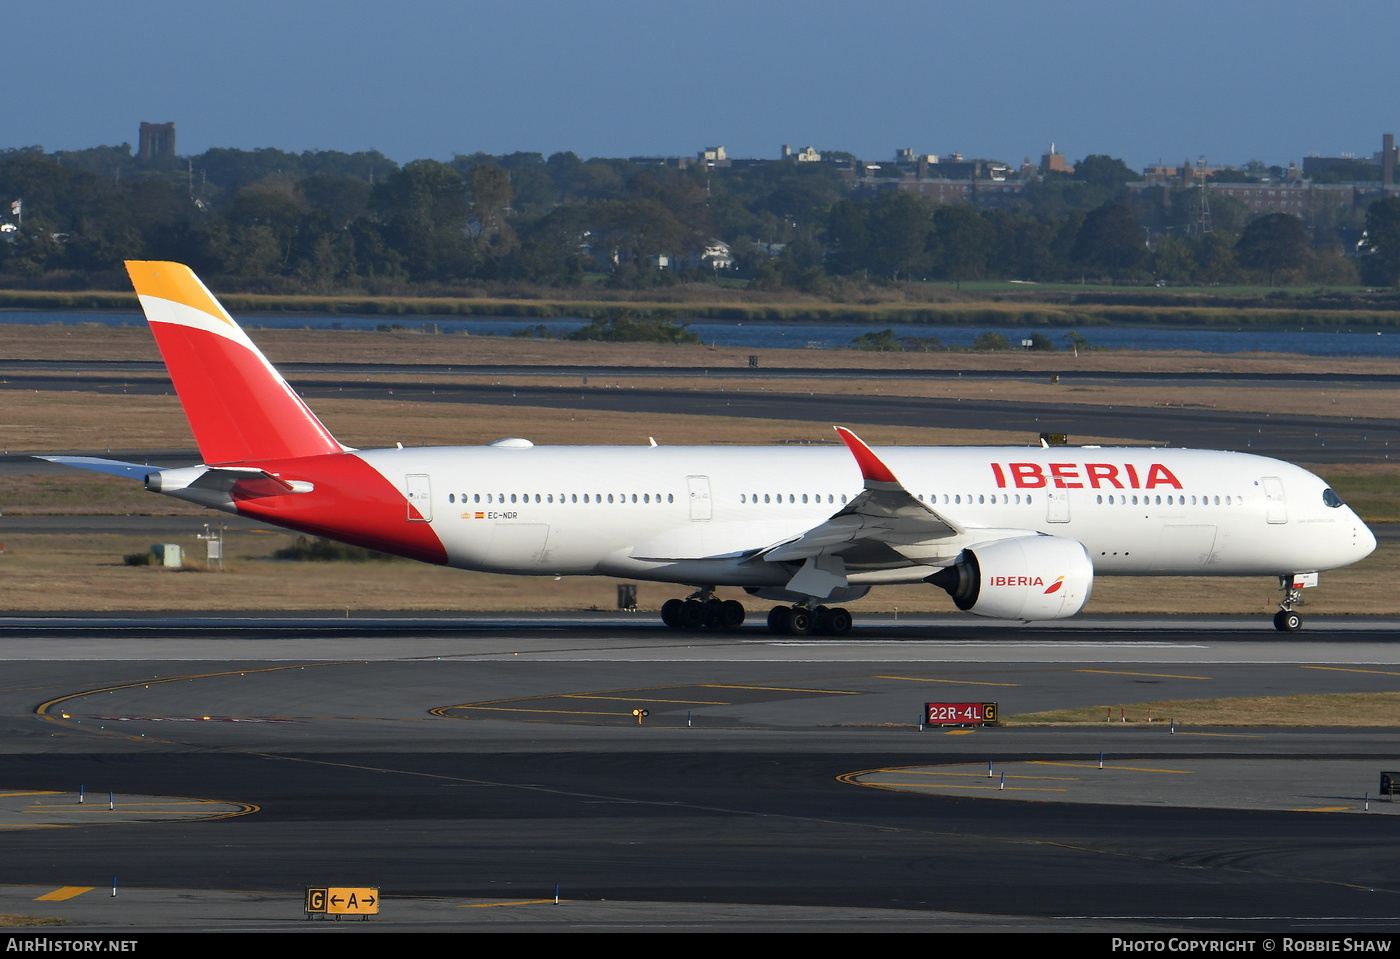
703 610
801 621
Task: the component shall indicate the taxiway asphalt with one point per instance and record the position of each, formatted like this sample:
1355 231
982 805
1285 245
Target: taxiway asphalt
465 766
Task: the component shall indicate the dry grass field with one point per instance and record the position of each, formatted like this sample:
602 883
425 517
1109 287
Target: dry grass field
1335 709
86 571
79 571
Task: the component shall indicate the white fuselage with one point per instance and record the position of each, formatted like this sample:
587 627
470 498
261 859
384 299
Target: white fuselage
689 515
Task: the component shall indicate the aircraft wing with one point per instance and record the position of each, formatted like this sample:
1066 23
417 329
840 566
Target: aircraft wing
885 525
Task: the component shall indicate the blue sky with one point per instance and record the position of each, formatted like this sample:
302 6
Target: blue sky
1230 80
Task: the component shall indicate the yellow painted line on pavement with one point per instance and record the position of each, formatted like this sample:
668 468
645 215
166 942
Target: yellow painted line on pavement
634 699
1343 669
100 808
492 905
565 712
1068 779
1326 809
781 689
98 803
1107 767
1009 789
955 682
47 792
64 892
1119 672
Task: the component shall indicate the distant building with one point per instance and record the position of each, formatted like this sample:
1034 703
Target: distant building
1351 167
1053 162
908 156
983 192
157 141
713 157
717 255
679 163
1297 199
1292 190
1380 169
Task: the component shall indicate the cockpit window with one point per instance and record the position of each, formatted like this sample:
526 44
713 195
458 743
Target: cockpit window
1331 498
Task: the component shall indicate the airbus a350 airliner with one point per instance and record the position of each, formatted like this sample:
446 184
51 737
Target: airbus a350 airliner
1010 532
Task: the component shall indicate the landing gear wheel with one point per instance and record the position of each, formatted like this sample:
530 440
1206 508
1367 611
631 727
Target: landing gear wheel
1287 621
671 612
730 614
799 621
779 619
692 614
838 621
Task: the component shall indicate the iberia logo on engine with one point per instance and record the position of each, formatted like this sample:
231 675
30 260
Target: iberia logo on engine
1026 581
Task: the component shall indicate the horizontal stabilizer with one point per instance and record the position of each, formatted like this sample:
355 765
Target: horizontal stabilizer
237 481
99 465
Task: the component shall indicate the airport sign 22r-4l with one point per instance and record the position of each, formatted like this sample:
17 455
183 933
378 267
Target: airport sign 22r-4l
959 714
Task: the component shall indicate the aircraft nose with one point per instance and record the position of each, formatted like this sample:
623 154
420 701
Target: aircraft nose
1364 540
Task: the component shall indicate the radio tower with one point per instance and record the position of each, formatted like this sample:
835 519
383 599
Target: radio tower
1202 222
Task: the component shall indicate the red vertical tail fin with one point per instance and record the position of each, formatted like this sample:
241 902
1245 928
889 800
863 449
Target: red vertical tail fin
239 407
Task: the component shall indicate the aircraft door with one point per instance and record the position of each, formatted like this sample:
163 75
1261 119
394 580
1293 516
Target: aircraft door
420 497
1278 504
701 508
1057 506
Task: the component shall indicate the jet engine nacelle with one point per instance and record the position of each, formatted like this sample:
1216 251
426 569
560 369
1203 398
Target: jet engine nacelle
1025 577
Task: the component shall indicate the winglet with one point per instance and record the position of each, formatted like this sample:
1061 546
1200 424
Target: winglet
872 468
239 407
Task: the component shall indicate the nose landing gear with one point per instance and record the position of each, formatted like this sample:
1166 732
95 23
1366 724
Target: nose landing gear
1287 620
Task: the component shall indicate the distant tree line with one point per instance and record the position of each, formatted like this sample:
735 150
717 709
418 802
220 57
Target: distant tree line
325 222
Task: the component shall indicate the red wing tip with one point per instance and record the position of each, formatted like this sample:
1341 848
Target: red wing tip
872 469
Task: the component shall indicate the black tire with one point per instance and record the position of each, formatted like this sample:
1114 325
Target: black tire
1287 621
838 621
731 614
671 612
799 621
779 619
692 615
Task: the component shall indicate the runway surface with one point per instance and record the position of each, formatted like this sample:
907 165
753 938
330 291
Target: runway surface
462 765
